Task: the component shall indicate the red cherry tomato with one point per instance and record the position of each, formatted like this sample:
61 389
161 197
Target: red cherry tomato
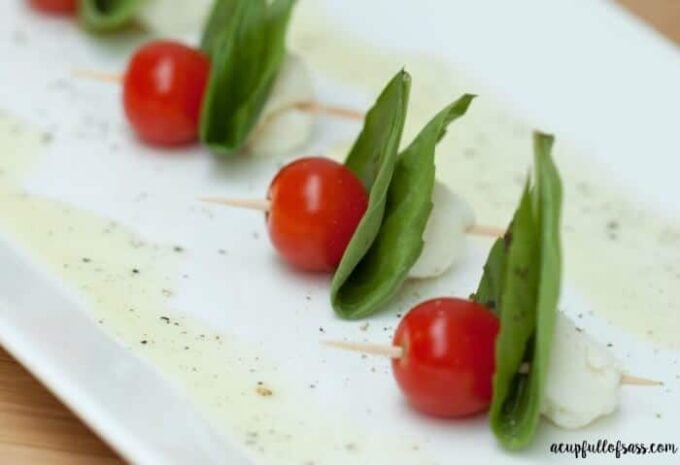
316 204
55 6
448 361
163 91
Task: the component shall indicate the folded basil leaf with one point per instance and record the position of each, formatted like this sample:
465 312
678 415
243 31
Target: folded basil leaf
373 159
246 56
522 278
380 272
107 15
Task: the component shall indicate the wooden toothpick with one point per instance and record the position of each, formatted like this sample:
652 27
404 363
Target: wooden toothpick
631 380
331 110
305 106
396 352
96 75
264 206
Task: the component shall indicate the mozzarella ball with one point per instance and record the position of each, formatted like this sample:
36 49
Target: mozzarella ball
583 378
444 234
174 17
283 128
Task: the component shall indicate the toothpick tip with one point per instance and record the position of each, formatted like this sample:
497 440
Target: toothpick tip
253 204
394 352
631 380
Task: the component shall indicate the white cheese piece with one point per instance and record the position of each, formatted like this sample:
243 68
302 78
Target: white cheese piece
174 17
283 128
583 378
444 234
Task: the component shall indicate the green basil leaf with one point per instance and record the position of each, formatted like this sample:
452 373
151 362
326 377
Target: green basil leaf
380 272
522 277
512 399
220 17
373 159
246 57
548 211
107 15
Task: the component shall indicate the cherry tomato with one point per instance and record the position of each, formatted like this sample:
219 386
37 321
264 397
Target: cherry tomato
163 91
316 205
55 6
448 361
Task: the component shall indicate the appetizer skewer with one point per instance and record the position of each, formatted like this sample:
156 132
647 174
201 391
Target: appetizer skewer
313 200
164 86
241 83
442 359
309 106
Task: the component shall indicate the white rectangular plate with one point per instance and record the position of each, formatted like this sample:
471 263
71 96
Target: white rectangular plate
174 331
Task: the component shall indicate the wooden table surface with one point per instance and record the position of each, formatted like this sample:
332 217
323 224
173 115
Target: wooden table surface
35 428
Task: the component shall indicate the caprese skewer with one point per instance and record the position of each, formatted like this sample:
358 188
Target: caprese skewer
164 88
443 360
240 91
314 205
